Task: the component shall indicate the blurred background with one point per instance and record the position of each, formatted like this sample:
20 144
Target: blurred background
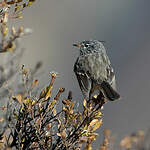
123 24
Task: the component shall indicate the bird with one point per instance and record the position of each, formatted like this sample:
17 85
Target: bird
94 71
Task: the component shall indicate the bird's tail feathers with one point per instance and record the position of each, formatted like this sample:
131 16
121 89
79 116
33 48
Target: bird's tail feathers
109 92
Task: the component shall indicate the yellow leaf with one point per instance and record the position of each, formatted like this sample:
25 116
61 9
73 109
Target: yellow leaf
23 140
48 133
2 119
84 102
48 94
97 125
54 112
85 127
71 111
95 96
64 109
17 7
5 31
93 122
22 108
27 101
15 115
98 114
51 105
58 134
89 147
29 3
5 19
20 17
33 102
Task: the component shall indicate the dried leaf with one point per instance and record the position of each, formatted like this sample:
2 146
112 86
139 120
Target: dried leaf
4 108
34 83
49 126
63 134
12 47
38 122
66 102
93 136
103 147
72 105
18 98
141 133
5 18
11 2
20 30
126 142
13 30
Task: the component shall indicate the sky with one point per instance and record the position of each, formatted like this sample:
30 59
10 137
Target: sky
123 24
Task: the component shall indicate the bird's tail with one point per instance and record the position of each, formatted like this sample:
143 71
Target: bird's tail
109 92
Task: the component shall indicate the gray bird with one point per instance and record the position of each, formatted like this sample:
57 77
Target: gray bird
94 71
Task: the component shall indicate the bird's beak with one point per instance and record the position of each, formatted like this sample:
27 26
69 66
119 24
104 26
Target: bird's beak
77 45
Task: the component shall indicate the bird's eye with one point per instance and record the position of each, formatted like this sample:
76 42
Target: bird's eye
86 45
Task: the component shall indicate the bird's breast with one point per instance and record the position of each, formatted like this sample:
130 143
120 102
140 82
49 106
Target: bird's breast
94 65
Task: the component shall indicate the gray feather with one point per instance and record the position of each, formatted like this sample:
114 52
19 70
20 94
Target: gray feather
94 71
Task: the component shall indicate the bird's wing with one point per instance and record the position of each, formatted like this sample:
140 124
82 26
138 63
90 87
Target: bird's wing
103 69
83 79
109 84
111 76
109 92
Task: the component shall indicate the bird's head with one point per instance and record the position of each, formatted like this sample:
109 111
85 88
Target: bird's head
91 46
